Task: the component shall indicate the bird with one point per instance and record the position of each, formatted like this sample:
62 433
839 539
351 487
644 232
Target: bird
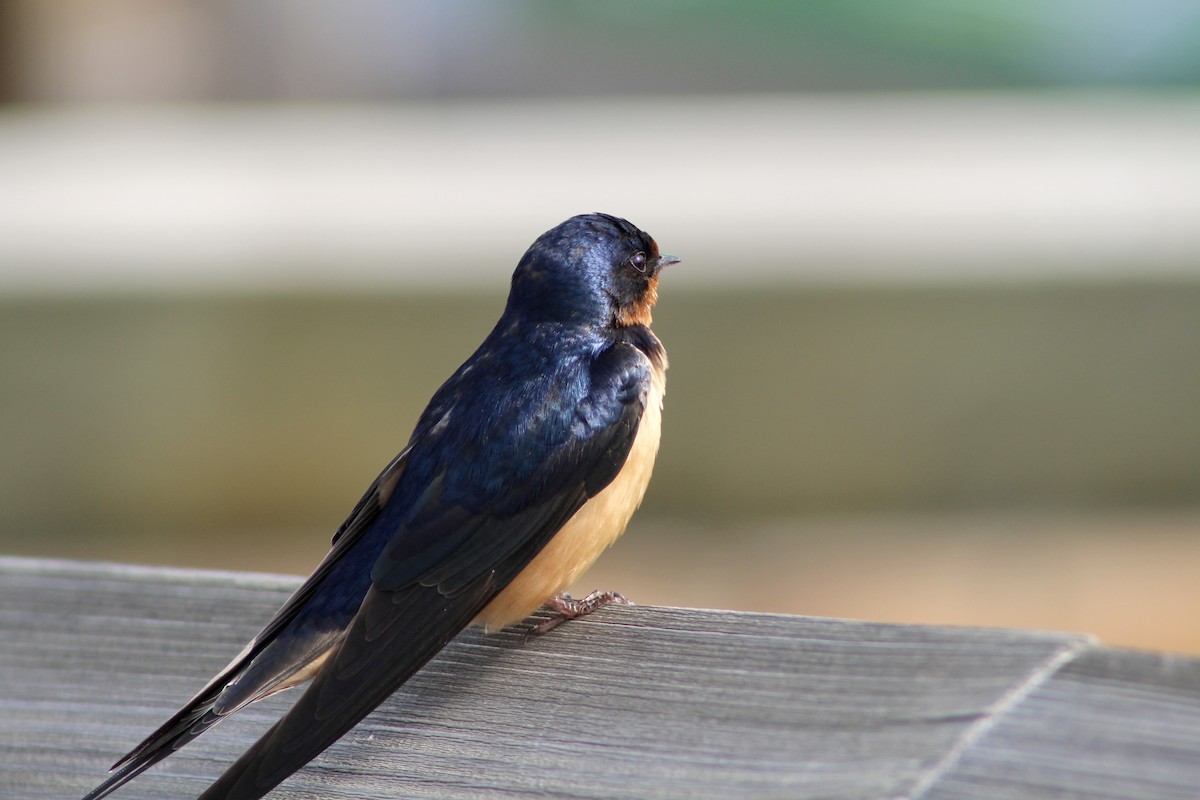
527 463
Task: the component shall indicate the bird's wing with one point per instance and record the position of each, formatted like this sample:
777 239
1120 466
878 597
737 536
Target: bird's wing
448 559
277 653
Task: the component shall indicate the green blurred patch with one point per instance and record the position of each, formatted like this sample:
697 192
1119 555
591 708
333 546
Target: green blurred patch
130 416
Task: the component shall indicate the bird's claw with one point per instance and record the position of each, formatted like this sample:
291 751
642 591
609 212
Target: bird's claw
565 607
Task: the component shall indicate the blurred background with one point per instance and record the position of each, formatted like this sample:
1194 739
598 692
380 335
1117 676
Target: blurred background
935 342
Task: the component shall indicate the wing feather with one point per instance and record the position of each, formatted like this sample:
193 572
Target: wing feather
271 658
410 614
451 521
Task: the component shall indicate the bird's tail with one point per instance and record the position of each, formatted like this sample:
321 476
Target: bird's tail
250 677
191 721
376 656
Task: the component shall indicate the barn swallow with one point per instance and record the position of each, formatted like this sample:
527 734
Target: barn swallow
527 463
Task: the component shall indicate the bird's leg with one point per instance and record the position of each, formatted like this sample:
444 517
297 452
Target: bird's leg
565 607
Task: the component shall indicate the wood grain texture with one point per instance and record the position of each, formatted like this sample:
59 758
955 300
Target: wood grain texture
637 702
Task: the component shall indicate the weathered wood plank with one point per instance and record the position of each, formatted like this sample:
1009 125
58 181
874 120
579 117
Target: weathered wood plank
1110 724
635 702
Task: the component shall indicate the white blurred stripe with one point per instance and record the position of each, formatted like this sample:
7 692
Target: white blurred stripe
761 189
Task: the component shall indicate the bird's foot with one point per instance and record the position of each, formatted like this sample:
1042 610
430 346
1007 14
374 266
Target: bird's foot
564 607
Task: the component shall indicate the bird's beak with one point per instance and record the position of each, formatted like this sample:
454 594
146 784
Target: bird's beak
665 260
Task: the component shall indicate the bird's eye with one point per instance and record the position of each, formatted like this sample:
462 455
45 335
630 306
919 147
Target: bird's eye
638 261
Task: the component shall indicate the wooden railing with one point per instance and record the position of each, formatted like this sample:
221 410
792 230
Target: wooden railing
632 702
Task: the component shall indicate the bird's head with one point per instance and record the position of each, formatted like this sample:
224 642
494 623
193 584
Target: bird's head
593 269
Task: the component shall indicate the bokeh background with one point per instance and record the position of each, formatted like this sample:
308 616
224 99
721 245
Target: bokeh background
935 342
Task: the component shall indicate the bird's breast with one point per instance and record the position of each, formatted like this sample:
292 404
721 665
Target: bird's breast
592 529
